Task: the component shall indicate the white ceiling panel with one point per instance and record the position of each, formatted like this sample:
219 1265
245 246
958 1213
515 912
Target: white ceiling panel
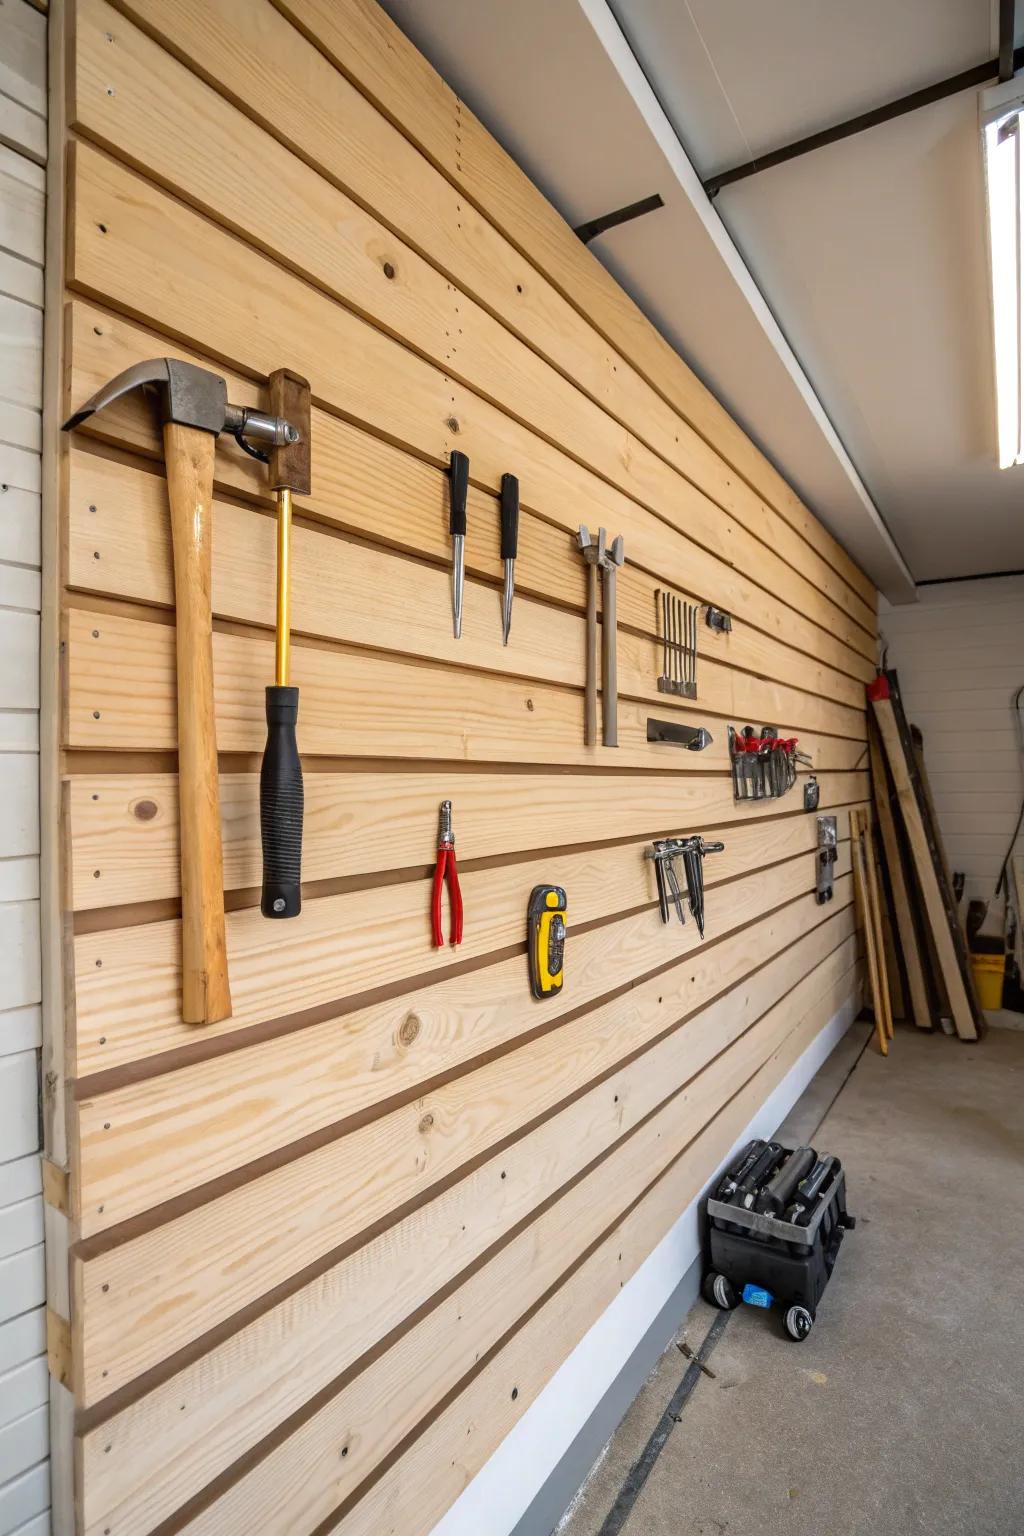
873 391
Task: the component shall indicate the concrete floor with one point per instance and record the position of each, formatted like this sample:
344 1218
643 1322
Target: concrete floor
903 1412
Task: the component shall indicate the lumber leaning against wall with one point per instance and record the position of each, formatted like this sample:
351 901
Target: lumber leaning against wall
389 1166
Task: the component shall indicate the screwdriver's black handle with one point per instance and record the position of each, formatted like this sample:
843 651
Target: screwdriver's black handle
509 516
281 805
458 489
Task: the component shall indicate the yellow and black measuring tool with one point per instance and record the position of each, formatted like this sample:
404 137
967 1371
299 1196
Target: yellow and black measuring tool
546 918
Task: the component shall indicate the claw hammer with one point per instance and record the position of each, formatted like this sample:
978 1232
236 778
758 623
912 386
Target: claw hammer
195 409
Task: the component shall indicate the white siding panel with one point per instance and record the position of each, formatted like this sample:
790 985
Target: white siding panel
20 1179
22 1338
38 1526
22 211
23 55
21 353
20 467
20 524
21 1226
24 1443
959 653
24 1498
19 962
19 1115
23 1389
19 647
21 1029
19 879
22 1283
21 279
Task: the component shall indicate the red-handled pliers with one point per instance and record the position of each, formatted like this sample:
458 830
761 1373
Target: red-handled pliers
445 870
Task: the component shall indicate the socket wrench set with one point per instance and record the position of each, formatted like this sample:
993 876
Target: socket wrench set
776 1221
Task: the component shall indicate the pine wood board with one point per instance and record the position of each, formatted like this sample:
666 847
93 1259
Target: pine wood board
437 1464
156 259
369 486
343 589
121 696
906 929
953 978
369 1416
149 1141
148 1297
338 132
124 847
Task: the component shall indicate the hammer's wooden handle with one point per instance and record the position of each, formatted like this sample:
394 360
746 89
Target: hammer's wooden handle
205 995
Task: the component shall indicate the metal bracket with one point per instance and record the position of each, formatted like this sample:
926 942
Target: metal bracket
693 737
716 618
826 857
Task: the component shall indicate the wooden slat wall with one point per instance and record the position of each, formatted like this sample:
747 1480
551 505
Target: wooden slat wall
311 1243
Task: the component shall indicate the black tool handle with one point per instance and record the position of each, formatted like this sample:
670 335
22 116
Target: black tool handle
776 1195
458 489
281 805
509 516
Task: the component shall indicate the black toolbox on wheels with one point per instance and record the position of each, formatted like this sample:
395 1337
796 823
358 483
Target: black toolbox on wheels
762 1255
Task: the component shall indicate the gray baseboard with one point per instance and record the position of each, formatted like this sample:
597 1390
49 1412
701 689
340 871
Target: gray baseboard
565 1481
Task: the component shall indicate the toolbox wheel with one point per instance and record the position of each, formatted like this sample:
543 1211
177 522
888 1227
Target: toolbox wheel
719 1292
799 1323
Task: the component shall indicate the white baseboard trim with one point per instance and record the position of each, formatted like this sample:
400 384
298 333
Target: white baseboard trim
516 1475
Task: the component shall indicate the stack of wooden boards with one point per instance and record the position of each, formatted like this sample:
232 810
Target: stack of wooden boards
932 946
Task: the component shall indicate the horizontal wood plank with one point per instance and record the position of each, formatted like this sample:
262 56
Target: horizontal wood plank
357 824
121 696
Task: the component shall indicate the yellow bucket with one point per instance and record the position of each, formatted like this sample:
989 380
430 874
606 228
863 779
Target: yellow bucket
988 971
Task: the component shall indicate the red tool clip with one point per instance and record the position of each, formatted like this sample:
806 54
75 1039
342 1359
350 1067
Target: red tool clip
445 870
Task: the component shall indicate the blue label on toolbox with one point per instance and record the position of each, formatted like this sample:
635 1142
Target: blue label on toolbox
757 1296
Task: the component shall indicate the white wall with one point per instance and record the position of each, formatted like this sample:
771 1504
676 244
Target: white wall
959 653
24 1475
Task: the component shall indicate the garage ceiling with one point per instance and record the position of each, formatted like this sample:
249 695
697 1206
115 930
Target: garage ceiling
837 304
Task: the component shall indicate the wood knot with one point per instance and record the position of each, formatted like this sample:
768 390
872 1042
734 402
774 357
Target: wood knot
453 423
426 1123
409 1030
389 270
144 810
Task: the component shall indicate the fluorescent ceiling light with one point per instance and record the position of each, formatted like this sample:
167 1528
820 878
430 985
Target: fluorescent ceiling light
1002 128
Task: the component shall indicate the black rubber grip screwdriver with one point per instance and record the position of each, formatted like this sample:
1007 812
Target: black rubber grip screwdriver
509 546
458 490
281 789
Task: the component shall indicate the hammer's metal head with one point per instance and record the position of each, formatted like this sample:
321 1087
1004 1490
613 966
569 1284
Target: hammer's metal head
193 397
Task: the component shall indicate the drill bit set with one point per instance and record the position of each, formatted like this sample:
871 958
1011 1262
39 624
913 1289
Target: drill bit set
663 855
679 645
764 766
